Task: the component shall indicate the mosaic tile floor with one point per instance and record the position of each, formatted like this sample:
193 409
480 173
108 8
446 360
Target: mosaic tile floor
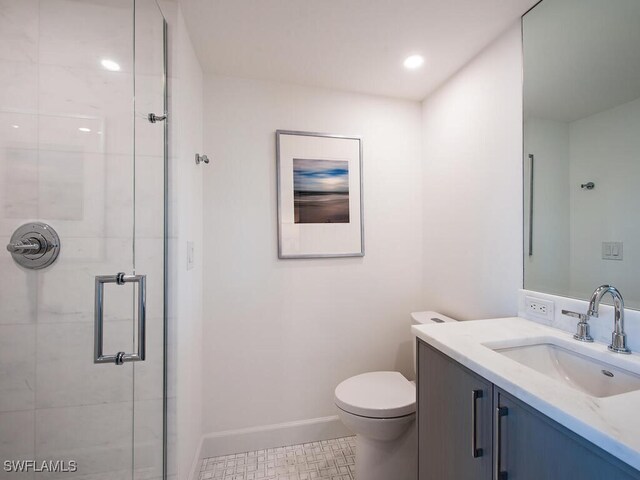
325 460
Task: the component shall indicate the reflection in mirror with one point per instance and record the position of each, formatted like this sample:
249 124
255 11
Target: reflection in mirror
582 147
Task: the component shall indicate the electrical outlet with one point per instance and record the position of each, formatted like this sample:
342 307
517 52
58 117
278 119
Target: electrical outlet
539 307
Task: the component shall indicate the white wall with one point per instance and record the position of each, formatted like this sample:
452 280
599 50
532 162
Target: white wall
185 224
604 150
472 186
279 335
548 268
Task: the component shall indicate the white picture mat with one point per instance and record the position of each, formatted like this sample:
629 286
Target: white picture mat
326 239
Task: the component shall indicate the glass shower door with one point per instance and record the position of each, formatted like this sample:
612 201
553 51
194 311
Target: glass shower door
79 154
149 234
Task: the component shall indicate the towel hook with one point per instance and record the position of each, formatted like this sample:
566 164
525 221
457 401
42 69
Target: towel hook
201 159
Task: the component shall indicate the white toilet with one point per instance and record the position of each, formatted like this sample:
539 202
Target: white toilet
380 408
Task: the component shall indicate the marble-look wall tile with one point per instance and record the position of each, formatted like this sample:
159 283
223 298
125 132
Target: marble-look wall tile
66 374
81 34
96 436
149 262
100 100
71 192
149 196
17 367
119 184
62 132
18 168
149 98
18 86
149 37
148 439
149 374
66 290
61 185
19 30
18 290
20 183
18 130
17 440
80 194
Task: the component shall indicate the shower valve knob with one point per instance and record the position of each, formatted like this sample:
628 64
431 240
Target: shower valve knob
28 246
34 245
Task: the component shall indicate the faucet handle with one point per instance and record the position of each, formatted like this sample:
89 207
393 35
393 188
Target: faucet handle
581 316
582 334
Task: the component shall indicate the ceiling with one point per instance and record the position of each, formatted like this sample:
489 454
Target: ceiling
580 57
354 45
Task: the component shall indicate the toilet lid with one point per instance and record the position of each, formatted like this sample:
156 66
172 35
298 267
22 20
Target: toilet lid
377 395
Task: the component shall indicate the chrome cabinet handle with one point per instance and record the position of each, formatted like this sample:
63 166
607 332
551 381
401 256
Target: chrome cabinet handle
497 439
475 451
120 357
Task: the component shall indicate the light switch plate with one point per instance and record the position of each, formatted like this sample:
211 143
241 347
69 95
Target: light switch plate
612 250
190 255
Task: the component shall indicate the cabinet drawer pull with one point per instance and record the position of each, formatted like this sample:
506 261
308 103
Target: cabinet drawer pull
497 438
475 451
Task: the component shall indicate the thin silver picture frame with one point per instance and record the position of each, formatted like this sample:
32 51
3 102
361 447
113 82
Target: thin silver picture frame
282 255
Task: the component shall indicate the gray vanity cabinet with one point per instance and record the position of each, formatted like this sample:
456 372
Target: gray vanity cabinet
534 447
454 419
517 442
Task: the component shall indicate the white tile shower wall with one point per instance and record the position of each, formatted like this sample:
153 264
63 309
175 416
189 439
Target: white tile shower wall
54 402
281 334
472 186
185 224
50 170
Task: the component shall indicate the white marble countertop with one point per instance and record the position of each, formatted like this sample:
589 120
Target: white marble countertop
612 423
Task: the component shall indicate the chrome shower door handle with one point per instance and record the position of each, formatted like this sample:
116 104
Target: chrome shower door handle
120 357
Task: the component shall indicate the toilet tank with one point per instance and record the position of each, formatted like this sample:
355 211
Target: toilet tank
421 318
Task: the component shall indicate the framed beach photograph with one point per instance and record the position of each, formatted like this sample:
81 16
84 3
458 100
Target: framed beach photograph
319 178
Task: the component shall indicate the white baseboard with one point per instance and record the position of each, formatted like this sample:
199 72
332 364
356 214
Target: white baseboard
270 436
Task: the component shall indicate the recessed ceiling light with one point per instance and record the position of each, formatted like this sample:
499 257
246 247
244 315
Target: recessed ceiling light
414 61
84 129
15 126
110 65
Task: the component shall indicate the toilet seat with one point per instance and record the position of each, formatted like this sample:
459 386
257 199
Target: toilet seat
377 395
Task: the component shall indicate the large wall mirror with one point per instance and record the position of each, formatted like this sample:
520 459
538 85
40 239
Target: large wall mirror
582 147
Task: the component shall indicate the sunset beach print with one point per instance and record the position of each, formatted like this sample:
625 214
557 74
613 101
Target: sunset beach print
320 191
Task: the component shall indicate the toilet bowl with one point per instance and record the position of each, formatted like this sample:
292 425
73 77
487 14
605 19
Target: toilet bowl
380 408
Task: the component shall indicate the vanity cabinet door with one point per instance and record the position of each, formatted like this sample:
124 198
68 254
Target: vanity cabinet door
454 419
534 447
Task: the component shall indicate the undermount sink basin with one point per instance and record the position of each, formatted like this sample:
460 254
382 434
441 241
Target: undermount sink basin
591 376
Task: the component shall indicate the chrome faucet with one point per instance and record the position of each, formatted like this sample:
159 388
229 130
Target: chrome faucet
618 337
583 332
